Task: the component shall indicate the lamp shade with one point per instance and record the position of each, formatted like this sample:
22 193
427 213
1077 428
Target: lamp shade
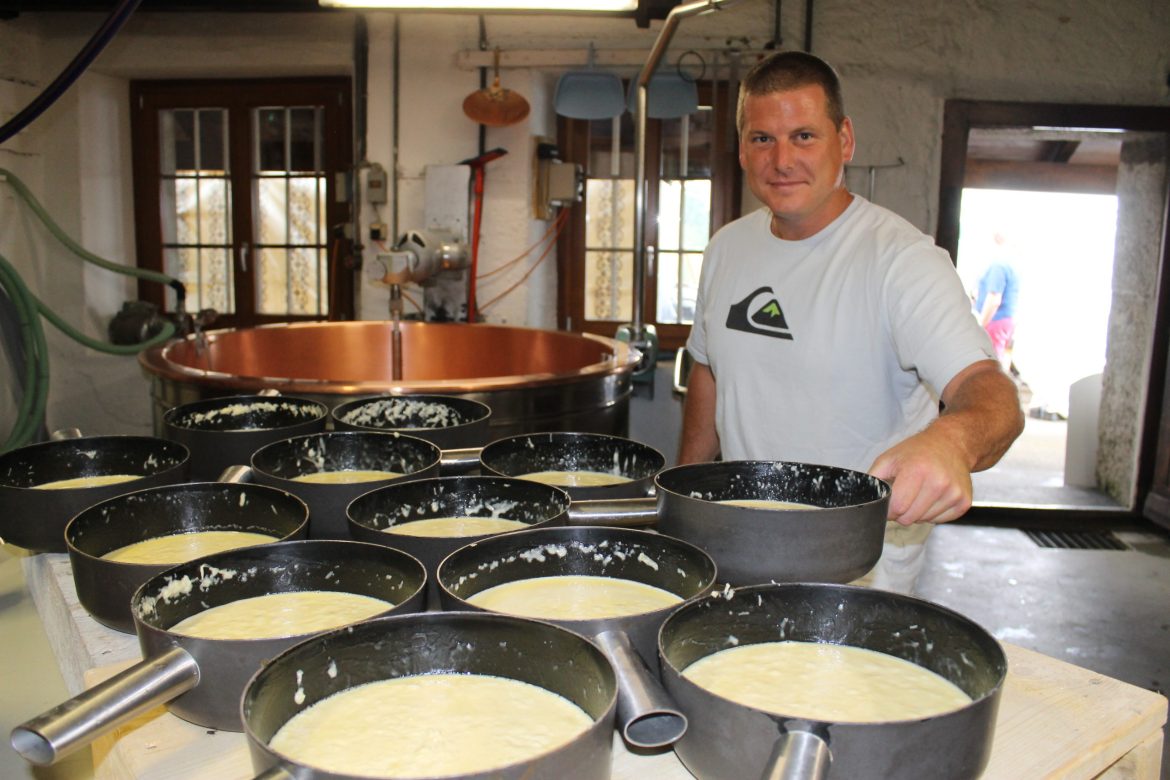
669 95
589 94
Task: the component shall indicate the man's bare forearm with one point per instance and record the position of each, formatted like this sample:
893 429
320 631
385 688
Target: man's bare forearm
700 442
982 413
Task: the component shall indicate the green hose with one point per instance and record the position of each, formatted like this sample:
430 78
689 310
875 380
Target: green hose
29 309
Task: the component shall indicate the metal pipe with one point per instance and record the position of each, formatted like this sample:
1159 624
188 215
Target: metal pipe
458 461
88 715
799 755
396 333
617 512
656 52
647 717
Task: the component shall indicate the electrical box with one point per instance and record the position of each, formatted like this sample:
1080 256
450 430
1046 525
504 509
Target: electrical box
376 184
566 183
556 183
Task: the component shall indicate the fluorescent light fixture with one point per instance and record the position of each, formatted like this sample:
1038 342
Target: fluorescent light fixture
572 6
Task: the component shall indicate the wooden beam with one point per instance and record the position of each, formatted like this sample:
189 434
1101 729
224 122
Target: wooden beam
1040 176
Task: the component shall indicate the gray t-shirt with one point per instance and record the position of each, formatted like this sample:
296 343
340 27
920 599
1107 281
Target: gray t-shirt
833 348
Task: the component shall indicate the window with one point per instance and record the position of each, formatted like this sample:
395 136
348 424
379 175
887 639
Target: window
692 188
235 195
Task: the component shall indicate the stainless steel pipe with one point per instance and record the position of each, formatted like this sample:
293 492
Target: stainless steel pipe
676 15
74 724
646 715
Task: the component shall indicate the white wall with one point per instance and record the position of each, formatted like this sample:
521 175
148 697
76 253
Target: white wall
899 62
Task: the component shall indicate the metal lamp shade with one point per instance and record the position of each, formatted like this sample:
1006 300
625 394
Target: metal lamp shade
589 94
669 95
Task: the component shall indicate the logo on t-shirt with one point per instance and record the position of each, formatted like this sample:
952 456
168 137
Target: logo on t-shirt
766 318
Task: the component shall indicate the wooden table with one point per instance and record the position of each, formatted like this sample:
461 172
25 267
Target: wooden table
1055 720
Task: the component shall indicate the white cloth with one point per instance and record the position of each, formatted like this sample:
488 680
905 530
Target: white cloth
833 348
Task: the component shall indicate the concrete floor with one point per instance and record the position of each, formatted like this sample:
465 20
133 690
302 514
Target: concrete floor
1108 611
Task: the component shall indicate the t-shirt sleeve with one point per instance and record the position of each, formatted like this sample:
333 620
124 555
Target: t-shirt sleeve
929 317
996 279
697 341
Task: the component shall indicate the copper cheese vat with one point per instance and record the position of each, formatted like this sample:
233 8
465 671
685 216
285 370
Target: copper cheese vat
533 380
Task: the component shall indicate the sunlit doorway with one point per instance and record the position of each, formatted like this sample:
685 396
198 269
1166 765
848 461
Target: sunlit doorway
1057 351
1094 150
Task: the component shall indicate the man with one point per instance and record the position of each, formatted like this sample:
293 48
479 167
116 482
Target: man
827 328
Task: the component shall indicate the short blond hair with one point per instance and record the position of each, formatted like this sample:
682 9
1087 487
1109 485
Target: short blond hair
788 70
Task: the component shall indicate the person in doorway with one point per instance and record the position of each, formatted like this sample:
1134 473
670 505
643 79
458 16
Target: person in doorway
827 328
995 302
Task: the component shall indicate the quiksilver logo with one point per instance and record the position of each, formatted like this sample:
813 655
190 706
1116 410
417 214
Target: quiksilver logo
766 318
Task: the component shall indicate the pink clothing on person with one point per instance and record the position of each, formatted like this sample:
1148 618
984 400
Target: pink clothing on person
1001 332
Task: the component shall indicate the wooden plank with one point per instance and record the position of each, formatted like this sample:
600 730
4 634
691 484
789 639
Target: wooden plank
79 642
1060 720
1142 763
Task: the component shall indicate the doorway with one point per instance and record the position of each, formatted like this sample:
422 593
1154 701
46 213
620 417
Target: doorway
1059 302
1057 183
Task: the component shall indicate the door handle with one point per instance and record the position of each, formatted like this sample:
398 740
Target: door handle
244 249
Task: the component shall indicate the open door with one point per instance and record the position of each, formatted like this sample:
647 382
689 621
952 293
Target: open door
1009 149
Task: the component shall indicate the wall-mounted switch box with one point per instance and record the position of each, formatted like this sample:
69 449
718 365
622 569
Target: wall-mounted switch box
376 184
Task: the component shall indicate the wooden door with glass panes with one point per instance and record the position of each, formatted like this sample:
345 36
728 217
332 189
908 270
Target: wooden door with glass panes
693 182
238 194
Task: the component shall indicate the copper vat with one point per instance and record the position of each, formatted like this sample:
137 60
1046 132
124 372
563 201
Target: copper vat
533 380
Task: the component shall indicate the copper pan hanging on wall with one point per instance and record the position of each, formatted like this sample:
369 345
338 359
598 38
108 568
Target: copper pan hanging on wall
495 106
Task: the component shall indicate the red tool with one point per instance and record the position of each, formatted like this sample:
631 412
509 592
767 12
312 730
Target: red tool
477 165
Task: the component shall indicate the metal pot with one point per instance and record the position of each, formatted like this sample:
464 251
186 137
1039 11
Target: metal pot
278 464
838 542
35 519
223 432
104 587
476 643
201 679
533 452
372 514
646 716
447 421
730 740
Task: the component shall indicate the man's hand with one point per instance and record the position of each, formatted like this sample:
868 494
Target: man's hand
931 470
931 480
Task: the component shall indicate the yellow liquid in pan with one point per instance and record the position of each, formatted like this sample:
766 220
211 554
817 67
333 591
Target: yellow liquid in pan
766 503
575 478
87 482
826 682
456 526
346 477
180 548
281 614
430 725
574 597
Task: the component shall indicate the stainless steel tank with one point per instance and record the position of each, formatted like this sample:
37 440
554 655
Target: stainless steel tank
533 380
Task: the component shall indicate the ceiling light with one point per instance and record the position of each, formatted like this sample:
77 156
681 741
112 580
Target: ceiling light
573 6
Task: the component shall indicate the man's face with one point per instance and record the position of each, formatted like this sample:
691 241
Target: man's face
794 158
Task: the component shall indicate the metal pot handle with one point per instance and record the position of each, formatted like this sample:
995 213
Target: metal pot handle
456 462
799 755
85 717
236 475
615 512
646 714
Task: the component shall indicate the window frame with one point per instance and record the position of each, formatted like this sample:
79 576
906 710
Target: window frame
726 184
240 97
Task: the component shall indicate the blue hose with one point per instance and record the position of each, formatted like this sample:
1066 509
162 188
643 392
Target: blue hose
75 68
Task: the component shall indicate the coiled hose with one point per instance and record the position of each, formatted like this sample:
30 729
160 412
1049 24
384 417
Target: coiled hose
29 309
